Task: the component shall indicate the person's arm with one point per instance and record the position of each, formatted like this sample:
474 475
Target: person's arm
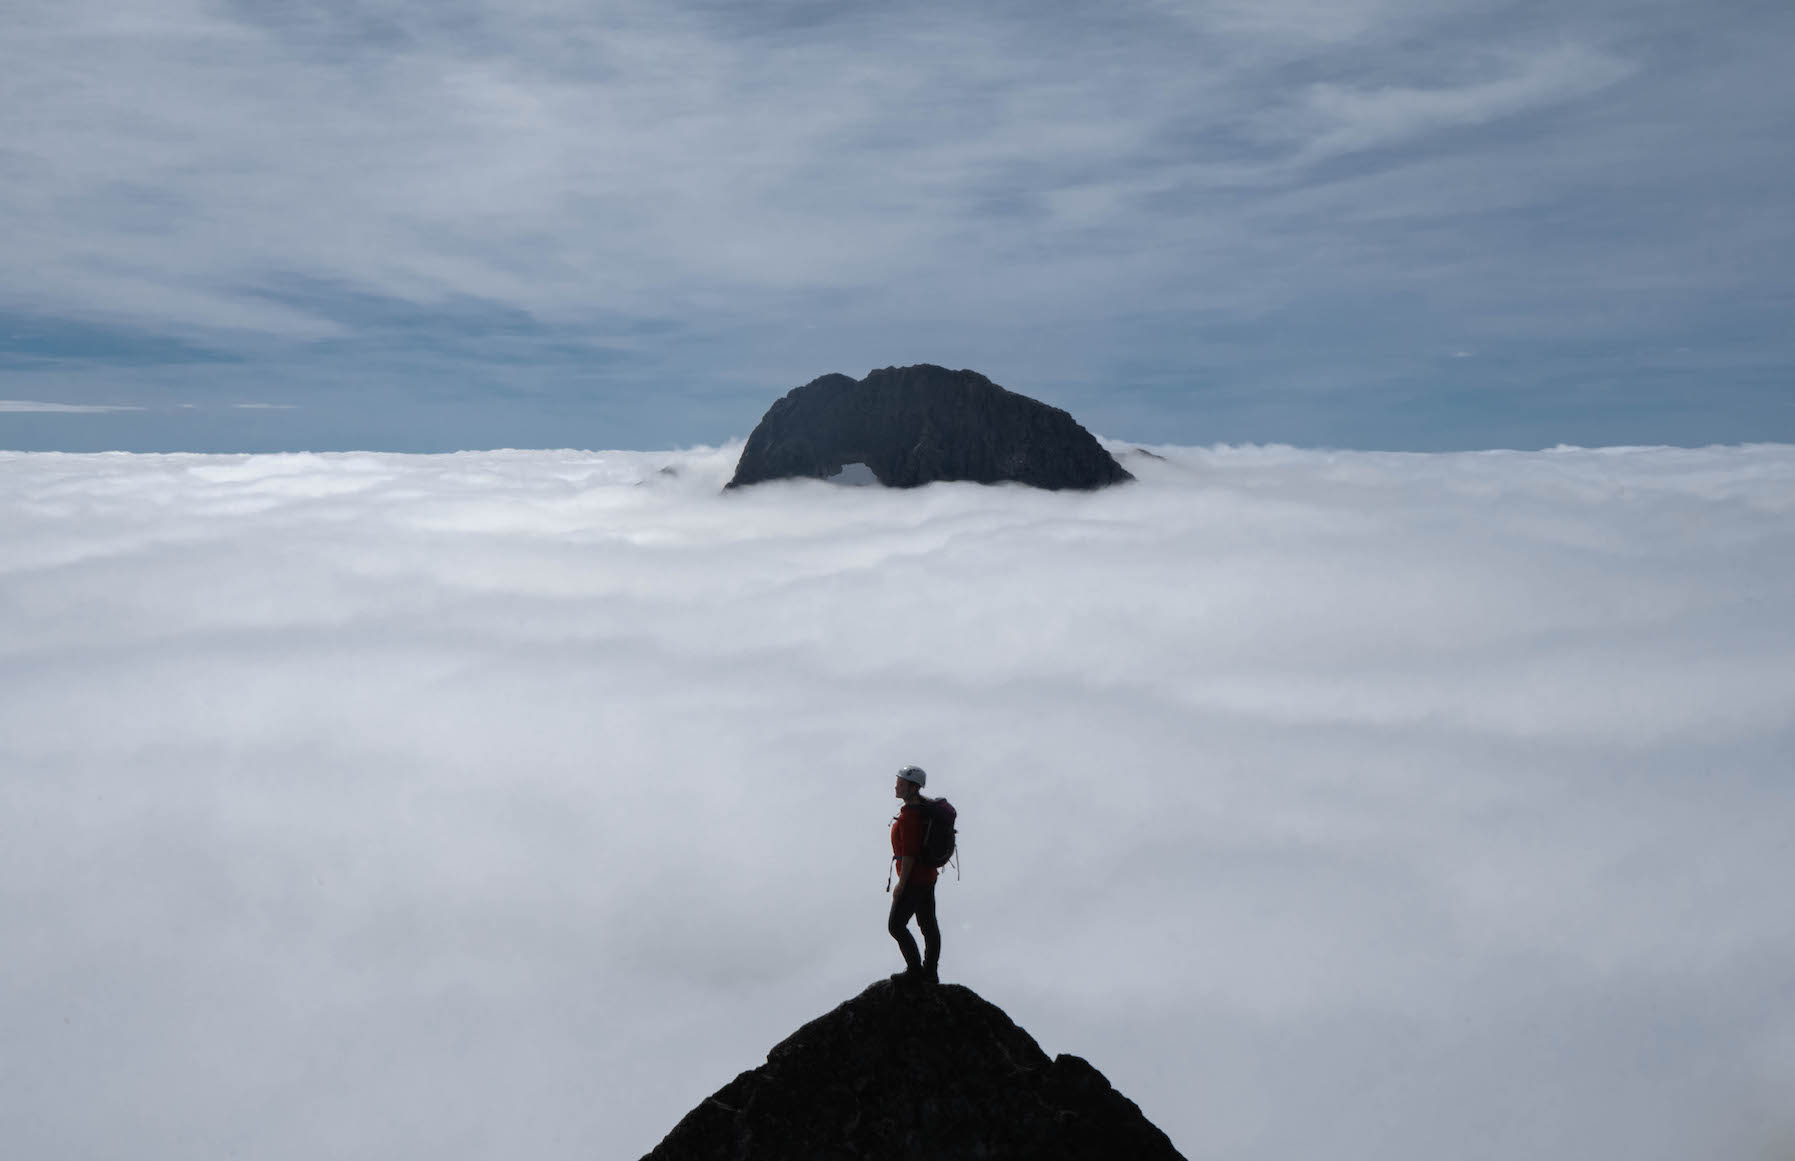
905 862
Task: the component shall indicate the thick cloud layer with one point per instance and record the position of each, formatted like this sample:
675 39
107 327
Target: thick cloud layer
505 804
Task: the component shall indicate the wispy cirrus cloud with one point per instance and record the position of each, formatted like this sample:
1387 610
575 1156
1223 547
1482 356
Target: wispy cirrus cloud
1357 119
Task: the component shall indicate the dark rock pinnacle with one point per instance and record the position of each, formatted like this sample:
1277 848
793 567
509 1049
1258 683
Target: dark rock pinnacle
915 1074
917 425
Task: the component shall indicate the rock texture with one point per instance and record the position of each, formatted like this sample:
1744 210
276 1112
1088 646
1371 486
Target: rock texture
916 425
915 1074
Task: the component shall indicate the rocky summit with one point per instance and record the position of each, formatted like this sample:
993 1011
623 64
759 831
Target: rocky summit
915 425
915 1074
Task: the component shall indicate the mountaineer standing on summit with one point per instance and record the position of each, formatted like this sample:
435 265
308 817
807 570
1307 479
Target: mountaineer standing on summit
916 851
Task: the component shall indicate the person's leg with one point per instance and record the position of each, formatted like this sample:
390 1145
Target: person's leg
931 931
902 908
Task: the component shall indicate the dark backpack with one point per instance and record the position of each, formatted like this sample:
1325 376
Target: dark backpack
937 831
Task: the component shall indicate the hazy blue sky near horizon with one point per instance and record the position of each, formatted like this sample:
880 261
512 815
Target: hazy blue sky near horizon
248 226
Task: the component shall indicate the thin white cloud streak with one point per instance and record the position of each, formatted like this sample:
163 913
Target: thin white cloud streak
1383 117
1370 805
29 405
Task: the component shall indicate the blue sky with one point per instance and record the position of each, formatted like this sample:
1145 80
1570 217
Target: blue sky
425 226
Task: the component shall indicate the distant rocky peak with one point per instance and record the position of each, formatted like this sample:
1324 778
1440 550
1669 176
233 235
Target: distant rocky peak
917 425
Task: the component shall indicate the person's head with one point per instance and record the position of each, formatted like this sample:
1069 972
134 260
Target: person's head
910 782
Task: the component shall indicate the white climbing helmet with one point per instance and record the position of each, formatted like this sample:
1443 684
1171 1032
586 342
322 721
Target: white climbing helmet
914 774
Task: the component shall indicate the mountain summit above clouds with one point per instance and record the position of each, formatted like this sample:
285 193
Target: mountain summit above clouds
915 1074
915 425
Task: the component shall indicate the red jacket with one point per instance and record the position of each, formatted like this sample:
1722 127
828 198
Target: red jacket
906 839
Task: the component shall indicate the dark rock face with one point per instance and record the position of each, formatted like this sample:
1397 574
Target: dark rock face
916 425
915 1074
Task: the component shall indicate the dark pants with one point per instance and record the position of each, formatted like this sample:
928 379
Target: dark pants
918 899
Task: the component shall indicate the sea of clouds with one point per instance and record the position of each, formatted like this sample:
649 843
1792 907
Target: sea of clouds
505 804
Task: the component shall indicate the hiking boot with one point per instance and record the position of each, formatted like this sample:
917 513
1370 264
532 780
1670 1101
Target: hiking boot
930 976
909 977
